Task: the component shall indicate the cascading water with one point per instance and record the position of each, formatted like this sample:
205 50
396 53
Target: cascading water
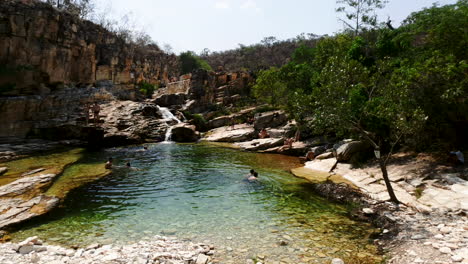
166 114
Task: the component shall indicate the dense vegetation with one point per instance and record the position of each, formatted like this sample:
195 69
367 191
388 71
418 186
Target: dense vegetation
269 52
387 85
190 62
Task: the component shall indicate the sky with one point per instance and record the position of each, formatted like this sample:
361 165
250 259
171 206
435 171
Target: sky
224 24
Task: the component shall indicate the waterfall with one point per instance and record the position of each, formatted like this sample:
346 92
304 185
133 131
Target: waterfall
166 114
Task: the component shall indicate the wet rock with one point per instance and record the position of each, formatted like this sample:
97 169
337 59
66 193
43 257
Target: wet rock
3 170
32 172
184 133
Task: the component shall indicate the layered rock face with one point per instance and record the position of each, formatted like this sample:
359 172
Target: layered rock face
205 89
39 45
50 62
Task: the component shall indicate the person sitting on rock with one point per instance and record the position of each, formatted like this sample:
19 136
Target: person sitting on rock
263 134
86 109
287 144
108 165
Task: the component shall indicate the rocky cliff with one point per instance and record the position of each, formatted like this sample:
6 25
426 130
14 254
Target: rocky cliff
51 61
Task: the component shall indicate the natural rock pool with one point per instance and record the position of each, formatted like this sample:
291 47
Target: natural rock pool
196 192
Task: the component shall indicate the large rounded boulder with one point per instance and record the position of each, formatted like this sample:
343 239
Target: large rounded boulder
184 133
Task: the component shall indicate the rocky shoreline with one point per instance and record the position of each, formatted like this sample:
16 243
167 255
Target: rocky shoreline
154 250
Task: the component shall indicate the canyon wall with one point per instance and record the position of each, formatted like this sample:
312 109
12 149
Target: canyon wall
46 54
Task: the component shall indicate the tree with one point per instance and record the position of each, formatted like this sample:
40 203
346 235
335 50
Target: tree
360 13
189 62
80 8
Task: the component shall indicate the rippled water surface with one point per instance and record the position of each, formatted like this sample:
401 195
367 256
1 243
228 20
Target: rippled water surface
197 192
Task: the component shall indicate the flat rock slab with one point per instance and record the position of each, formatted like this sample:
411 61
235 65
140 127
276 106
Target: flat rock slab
25 185
260 144
226 134
16 210
316 176
22 199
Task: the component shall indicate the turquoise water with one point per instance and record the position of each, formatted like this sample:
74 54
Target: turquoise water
196 192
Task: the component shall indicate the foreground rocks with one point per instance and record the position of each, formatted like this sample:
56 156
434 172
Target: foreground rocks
153 250
432 226
23 199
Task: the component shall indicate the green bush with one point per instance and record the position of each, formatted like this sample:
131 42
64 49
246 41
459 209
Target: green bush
147 89
190 62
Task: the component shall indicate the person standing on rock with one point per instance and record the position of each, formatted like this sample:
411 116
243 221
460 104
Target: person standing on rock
86 112
96 110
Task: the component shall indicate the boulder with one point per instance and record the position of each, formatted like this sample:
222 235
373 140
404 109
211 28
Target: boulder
347 150
226 134
220 121
184 133
3 170
270 119
278 133
318 150
167 100
260 144
202 259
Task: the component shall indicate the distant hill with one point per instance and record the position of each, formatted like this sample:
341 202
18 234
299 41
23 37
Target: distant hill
269 52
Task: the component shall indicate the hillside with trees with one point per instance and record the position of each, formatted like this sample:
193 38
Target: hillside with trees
261 56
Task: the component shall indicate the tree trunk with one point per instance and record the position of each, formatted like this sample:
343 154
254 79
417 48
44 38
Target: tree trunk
383 168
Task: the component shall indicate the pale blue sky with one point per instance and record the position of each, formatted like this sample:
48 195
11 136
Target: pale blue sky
223 24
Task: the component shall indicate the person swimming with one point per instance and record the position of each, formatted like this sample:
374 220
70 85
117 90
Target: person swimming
253 177
129 166
108 164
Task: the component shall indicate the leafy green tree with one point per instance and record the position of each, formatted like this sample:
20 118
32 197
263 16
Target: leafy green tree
189 62
359 13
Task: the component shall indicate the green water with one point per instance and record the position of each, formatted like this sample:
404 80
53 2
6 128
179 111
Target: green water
197 192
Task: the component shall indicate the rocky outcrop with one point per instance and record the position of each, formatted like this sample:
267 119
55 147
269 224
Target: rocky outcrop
270 119
184 133
51 62
167 100
227 134
127 122
23 199
260 144
217 88
42 48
